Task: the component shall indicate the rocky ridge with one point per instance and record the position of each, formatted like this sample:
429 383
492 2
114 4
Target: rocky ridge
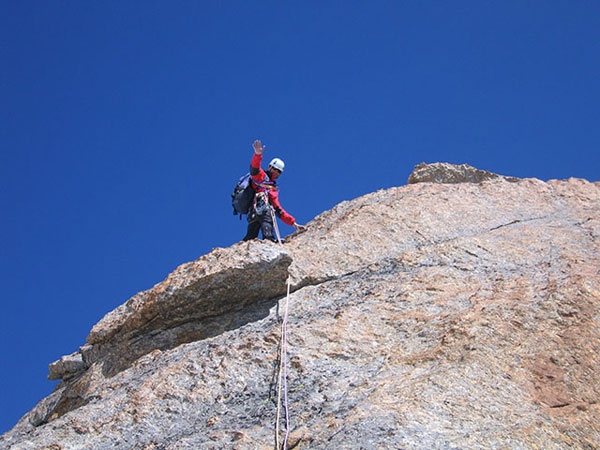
458 311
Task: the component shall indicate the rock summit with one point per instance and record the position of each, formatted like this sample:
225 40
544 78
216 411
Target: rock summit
461 310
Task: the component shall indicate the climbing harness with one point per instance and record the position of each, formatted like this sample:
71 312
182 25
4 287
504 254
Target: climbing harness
282 377
261 203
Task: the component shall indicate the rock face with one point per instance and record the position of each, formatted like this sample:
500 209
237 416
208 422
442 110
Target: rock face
452 173
186 307
448 313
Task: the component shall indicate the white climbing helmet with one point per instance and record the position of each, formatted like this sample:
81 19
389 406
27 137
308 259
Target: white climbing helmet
277 163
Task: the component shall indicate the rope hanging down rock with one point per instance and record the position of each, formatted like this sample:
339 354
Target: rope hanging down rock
282 377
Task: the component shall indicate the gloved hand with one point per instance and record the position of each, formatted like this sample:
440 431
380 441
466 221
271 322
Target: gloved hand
299 227
258 147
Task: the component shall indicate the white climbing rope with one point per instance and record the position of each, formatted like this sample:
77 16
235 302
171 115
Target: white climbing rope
282 377
274 220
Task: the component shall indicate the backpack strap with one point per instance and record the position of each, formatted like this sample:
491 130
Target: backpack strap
265 184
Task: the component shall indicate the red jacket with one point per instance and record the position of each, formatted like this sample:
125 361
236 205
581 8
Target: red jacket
261 183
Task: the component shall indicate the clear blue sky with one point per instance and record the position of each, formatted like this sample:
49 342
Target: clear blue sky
124 126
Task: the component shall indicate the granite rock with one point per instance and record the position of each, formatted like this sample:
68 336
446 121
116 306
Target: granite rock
436 315
452 173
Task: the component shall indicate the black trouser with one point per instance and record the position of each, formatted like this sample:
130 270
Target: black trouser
260 222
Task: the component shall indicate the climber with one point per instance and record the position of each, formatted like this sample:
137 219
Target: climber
266 197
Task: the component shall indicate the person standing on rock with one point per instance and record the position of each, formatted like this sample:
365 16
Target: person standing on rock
266 197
